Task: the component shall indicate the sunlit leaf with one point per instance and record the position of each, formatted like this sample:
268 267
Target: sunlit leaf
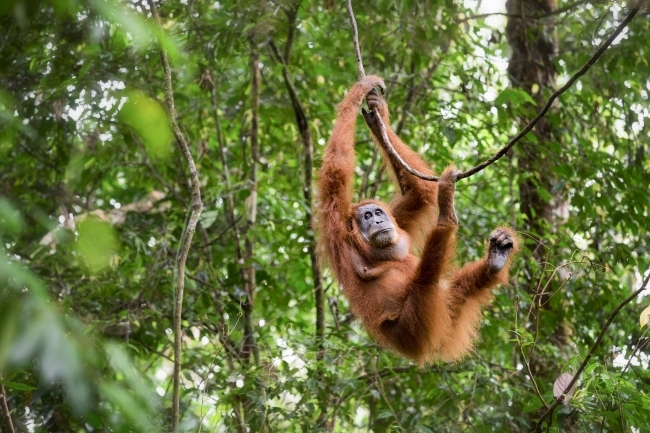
96 243
644 318
208 217
150 122
513 96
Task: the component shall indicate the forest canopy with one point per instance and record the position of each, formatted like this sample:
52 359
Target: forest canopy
158 266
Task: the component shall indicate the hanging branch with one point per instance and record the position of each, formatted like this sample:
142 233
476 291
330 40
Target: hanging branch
391 150
577 374
190 228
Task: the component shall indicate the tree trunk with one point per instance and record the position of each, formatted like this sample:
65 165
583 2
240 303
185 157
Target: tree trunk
533 43
532 38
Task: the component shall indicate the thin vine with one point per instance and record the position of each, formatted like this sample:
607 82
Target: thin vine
391 150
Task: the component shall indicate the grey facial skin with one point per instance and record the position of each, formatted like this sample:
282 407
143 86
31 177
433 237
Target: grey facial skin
376 227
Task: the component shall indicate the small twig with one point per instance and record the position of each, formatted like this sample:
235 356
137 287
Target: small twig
223 232
578 372
230 203
548 427
639 346
224 345
391 150
5 407
523 355
530 372
377 380
250 344
190 228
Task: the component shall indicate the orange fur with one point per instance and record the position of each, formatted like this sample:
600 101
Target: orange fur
423 307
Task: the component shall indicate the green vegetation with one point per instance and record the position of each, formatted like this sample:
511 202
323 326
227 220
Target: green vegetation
96 196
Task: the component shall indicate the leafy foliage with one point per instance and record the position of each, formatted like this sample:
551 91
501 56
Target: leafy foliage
94 195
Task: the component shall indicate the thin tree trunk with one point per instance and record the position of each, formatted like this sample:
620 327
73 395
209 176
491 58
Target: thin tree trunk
308 167
531 69
188 231
250 345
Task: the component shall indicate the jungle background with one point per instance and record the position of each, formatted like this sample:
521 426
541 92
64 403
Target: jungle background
96 194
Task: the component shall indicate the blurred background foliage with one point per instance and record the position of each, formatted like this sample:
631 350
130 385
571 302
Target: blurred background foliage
94 195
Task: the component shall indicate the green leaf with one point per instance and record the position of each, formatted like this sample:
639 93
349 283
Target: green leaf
96 244
129 406
17 386
513 96
208 218
450 134
384 414
10 219
149 120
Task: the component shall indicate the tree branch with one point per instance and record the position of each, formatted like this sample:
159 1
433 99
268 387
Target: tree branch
308 165
250 344
577 374
391 150
5 407
557 93
190 228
